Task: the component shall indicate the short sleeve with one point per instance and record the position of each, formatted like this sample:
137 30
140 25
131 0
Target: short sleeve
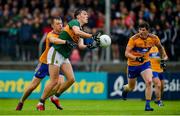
48 35
74 23
130 43
157 40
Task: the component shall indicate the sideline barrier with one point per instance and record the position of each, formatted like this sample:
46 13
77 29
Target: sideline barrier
117 80
88 85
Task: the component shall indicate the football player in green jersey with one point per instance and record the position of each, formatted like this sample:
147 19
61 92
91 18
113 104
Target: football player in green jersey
58 55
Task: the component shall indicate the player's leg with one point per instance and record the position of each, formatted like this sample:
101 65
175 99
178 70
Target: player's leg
64 85
33 85
54 74
54 99
162 78
55 61
147 76
68 72
162 87
40 73
66 68
55 89
157 84
128 87
132 73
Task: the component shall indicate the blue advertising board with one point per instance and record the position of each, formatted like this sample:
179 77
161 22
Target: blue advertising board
88 85
117 80
13 83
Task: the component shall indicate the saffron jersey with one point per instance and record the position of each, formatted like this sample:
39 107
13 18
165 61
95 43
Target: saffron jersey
43 57
141 47
155 59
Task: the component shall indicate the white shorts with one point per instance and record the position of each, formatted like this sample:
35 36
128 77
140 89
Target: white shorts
55 58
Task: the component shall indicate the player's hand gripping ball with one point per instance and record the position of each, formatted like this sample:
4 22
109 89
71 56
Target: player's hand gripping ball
105 41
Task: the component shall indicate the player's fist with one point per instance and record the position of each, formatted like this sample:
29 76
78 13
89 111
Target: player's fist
71 44
163 64
140 59
91 46
96 36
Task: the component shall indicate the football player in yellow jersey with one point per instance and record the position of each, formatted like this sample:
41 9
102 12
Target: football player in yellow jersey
137 52
42 68
157 66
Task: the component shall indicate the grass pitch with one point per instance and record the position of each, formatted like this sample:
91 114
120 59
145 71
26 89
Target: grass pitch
90 107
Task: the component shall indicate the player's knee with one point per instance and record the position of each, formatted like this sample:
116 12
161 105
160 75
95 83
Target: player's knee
54 82
148 82
131 88
32 88
60 82
159 85
71 80
162 87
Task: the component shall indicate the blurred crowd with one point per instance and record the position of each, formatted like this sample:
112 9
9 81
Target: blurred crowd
24 22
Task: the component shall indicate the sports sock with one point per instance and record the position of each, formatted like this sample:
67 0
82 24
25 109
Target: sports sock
42 101
55 97
57 94
158 101
148 102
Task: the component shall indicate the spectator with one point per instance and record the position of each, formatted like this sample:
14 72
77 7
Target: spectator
163 16
25 36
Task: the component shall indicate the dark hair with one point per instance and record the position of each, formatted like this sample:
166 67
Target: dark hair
55 18
78 11
144 25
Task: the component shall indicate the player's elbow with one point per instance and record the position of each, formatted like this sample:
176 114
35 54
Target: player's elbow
76 31
126 54
82 46
51 39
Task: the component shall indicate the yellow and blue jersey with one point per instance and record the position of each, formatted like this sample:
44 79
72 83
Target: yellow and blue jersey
141 47
155 59
42 69
43 57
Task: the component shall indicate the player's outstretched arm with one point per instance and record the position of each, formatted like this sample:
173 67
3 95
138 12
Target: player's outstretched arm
81 44
82 34
128 53
162 52
92 45
57 40
54 40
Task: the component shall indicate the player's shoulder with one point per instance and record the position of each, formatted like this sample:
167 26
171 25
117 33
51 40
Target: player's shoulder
49 33
136 36
153 36
52 34
74 22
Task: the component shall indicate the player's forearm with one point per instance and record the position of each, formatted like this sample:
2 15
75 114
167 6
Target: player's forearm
83 34
130 56
57 40
81 46
163 53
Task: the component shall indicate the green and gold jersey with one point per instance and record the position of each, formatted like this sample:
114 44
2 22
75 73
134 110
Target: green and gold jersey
67 34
